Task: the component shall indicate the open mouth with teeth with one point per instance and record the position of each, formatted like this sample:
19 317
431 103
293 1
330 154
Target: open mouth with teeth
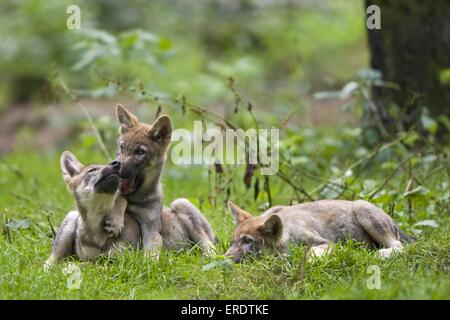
131 185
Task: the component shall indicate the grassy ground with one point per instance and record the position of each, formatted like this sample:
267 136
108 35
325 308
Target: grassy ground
32 192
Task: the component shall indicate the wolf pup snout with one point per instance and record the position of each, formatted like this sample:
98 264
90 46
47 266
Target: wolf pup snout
115 165
131 173
108 180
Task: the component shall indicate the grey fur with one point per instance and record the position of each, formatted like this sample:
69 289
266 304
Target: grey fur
321 223
184 225
100 225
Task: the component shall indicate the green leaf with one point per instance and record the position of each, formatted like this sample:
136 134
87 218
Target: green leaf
369 184
165 44
427 223
348 89
88 57
411 138
19 224
418 192
300 160
429 124
129 39
445 121
444 77
388 165
326 95
224 264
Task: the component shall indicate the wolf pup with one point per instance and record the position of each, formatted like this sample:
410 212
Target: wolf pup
100 225
317 224
142 154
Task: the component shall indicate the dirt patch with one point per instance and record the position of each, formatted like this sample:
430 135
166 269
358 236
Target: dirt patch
51 125
329 112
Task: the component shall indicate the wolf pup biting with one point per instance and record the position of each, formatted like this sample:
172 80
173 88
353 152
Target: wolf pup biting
100 225
317 224
142 154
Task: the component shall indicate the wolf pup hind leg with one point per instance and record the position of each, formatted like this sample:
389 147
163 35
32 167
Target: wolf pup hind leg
63 244
380 226
184 225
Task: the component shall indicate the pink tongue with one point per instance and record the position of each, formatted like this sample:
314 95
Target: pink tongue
128 185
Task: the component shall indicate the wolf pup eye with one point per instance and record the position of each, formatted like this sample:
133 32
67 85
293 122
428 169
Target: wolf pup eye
139 151
92 170
247 240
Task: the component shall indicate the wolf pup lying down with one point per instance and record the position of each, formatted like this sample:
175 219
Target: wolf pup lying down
317 224
101 225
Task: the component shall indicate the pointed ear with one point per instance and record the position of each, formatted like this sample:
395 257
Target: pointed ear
272 227
126 119
239 214
161 130
70 165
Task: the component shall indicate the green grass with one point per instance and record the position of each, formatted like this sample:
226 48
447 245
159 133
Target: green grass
31 189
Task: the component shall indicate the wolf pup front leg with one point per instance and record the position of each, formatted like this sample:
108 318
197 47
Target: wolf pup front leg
142 155
149 219
114 221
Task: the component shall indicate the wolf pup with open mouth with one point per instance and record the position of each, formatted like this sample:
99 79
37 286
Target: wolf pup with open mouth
142 154
100 225
317 224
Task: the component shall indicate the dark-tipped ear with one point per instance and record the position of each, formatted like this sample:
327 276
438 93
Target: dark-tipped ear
239 214
272 227
70 165
161 130
126 119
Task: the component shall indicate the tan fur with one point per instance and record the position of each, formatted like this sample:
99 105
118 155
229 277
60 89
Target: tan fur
185 226
100 224
179 226
317 224
145 200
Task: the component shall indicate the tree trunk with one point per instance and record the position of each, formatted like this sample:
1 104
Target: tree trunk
412 49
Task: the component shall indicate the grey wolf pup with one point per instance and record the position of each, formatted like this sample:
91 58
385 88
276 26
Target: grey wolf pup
100 224
316 224
142 154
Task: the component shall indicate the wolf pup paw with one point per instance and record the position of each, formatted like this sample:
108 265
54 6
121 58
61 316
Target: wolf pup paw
113 227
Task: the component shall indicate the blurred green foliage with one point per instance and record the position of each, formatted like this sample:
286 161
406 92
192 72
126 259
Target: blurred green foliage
176 56
273 48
